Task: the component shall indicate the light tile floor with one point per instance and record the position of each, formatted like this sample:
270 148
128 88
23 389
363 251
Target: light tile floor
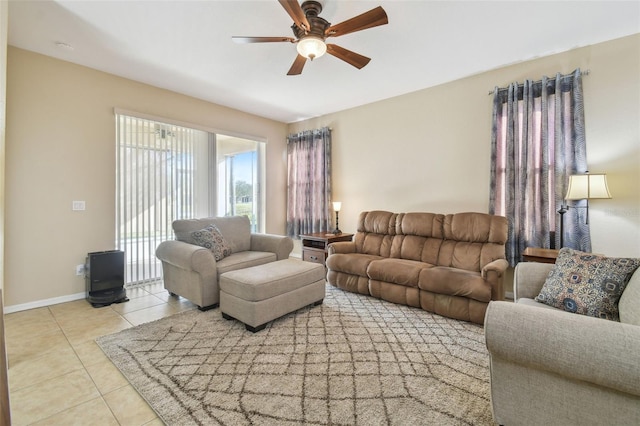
58 375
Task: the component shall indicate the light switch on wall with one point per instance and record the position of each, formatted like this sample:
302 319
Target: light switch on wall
77 205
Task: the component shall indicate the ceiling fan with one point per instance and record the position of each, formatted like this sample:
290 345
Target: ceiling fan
311 31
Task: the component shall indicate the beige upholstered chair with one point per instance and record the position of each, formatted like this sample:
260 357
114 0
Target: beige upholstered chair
550 367
191 271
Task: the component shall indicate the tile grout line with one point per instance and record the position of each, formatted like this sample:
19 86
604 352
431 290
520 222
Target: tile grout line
83 366
67 318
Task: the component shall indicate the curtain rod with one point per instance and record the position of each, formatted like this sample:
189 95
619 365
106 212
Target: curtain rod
585 72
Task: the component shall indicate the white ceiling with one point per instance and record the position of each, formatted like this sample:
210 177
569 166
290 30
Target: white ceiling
186 46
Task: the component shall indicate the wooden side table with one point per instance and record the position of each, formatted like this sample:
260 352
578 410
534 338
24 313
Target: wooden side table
534 254
315 246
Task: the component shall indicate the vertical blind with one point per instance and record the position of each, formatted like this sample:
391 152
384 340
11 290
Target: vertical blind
155 185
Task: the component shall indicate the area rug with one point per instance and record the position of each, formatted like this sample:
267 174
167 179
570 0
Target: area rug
354 360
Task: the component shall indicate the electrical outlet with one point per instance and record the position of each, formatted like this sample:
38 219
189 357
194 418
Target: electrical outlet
80 269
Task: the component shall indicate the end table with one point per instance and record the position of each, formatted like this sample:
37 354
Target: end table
315 246
534 254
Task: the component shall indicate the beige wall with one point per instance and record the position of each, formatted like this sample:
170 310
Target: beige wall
424 151
61 147
430 150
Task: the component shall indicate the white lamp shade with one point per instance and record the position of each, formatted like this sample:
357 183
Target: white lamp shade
587 186
337 205
311 47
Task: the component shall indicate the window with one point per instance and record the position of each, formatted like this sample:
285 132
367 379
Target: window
309 182
167 172
538 140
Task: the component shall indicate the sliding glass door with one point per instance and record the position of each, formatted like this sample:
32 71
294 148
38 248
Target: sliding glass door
238 178
167 172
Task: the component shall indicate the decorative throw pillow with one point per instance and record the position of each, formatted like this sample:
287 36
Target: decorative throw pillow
211 238
587 283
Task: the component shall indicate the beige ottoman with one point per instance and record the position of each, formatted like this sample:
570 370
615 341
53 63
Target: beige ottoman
263 293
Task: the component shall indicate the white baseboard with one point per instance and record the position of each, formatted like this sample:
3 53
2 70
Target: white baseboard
45 302
70 298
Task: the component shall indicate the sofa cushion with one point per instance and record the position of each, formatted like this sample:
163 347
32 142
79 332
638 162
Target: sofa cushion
531 302
476 227
461 254
375 233
397 271
472 240
377 222
211 238
352 263
421 224
244 259
455 282
629 304
236 230
418 237
586 283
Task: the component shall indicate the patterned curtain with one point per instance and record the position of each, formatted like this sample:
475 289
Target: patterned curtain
538 140
309 182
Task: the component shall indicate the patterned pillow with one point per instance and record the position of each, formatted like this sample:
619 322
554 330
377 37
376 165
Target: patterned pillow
587 283
211 238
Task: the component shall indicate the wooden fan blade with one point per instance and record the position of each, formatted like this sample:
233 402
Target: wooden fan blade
297 14
369 19
239 39
348 56
297 66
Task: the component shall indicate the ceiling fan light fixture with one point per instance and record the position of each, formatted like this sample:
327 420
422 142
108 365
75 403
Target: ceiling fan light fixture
311 47
310 31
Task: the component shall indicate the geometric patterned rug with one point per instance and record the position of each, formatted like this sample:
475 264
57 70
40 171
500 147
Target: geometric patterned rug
354 360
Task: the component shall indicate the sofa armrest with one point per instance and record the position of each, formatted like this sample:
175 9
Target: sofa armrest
279 244
187 256
602 352
498 266
493 273
341 247
528 279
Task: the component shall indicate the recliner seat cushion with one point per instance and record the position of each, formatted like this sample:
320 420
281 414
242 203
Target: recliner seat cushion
397 271
352 263
455 282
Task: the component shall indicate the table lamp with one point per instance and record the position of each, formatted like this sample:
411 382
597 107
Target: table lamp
337 205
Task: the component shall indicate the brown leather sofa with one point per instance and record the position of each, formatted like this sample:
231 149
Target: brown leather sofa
448 264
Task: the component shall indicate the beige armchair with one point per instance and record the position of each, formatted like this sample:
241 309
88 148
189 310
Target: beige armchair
556 368
191 271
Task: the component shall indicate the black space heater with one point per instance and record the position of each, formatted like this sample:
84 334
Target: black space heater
104 276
